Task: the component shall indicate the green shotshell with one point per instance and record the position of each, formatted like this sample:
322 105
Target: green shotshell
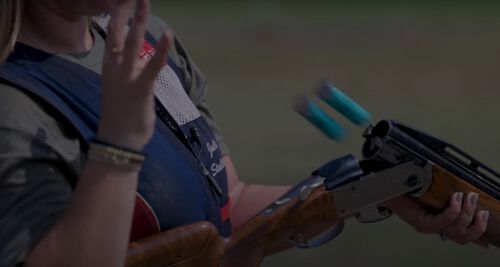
314 114
343 104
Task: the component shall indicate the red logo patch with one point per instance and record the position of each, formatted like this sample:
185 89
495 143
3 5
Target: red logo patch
147 52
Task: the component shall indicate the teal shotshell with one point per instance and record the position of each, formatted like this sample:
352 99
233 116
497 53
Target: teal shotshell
314 114
343 104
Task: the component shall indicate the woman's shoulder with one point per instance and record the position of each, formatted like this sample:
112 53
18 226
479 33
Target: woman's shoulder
20 111
157 26
24 115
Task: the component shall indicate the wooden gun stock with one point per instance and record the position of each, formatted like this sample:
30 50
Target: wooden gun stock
289 225
445 184
191 245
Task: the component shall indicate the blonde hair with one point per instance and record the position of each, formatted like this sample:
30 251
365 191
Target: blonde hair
10 21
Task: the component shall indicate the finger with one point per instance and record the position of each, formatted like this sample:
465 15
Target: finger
477 229
153 67
462 223
135 37
424 222
117 31
449 215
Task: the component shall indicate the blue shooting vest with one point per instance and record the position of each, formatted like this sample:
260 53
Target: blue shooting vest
182 180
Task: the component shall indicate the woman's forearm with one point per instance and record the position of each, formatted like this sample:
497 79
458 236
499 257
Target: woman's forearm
252 200
95 229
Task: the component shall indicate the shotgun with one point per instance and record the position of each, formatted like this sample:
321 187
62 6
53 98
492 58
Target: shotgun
396 160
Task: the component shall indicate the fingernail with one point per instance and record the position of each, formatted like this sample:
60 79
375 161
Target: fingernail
486 216
459 197
473 199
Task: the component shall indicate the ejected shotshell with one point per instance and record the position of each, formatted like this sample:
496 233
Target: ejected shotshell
343 104
314 114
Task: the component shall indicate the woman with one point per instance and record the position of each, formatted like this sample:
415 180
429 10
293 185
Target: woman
73 138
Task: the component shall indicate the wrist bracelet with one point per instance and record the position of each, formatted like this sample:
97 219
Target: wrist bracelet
106 153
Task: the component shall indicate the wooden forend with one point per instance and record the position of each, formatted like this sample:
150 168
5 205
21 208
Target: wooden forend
445 184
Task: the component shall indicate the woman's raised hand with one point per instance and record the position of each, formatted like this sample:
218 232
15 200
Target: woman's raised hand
127 109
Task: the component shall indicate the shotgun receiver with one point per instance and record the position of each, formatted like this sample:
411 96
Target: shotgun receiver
397 160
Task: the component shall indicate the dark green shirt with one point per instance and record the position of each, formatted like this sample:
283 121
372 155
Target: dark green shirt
38 153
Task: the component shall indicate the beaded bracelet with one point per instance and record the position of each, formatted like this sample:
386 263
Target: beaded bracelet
103 152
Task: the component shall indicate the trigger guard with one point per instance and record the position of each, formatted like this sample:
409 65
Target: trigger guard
323 238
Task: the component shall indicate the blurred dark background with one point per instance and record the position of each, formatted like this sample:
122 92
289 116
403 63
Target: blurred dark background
432 64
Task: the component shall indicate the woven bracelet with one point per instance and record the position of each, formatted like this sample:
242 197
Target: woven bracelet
106 153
